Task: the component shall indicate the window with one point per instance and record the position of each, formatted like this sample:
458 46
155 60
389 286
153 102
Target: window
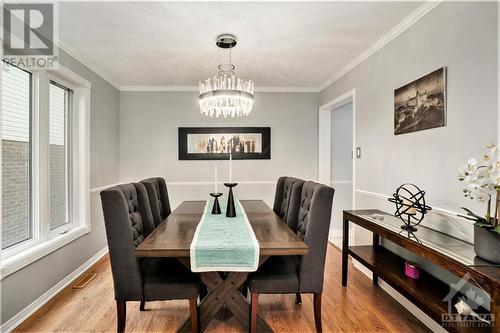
45 163
16 156
60 154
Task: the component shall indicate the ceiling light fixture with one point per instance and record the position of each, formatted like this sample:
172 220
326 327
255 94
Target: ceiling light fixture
225 94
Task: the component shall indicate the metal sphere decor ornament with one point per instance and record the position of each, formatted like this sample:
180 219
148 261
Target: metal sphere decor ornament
410 205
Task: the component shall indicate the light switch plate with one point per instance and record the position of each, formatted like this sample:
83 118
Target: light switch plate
358 152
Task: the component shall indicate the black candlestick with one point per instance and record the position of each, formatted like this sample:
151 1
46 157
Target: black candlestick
216 207
230 210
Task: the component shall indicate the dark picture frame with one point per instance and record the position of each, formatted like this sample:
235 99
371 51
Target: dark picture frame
248 143
421 104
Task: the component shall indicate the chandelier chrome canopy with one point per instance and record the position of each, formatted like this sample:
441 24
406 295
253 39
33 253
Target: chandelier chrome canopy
225 94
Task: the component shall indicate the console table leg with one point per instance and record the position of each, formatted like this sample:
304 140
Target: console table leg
375 243
345 247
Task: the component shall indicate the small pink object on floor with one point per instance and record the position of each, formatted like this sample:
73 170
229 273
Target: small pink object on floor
411 270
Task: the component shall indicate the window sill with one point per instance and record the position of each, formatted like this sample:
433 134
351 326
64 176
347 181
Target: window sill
22 259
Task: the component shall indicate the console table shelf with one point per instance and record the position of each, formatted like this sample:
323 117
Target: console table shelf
428 292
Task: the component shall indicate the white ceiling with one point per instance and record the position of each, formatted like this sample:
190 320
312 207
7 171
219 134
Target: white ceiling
280 44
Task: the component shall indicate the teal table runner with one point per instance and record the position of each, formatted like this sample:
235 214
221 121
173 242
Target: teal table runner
224 244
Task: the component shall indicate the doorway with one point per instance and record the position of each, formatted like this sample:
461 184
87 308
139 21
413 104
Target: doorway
341 157
336 158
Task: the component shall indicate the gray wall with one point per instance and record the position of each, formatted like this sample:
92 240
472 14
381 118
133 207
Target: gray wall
341 145
148 142
462 36
26 285
341 166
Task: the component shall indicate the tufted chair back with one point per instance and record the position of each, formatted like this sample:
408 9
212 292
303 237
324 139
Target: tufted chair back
158 198
128 220
313 226
278 195
287 199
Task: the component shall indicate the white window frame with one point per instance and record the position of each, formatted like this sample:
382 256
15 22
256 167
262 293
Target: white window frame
44 240
74 220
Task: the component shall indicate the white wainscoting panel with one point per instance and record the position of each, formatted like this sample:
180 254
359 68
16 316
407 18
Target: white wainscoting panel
342 200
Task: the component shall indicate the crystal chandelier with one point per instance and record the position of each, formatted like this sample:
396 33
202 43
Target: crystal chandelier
225 94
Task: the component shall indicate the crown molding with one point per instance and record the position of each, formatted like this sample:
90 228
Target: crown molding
196 88
395 32
69 49
409 21
77 55
159 88
288 89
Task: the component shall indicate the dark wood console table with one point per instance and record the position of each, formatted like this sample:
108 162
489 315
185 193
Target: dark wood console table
428 293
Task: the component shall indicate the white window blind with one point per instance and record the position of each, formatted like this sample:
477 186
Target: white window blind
57 115
15 104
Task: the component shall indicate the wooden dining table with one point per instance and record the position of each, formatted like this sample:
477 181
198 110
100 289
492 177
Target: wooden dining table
173 238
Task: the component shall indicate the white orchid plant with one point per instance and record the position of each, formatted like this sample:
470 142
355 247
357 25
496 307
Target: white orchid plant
482 181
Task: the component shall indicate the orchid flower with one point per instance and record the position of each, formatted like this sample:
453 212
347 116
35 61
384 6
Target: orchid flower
481 180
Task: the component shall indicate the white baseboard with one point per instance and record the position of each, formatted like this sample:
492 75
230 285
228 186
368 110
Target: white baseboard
15 321
412 308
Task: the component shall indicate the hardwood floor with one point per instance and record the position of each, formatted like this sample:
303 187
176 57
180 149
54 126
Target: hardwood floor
360 307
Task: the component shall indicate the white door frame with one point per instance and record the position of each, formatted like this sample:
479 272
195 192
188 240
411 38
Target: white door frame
325 135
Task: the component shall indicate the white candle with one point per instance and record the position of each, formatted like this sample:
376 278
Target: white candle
230 167
215 183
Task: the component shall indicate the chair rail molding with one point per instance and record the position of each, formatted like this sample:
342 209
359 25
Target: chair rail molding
386 197
180 183
340 182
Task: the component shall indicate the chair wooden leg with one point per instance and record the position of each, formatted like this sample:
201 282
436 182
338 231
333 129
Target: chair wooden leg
193 309
121 315
254 312
298 298
317 312
141 307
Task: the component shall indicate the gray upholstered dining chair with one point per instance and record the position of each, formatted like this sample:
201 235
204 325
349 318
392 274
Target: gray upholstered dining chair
299 274
288 191
158 198
128 221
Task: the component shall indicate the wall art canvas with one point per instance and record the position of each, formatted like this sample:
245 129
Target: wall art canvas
215 143
421 104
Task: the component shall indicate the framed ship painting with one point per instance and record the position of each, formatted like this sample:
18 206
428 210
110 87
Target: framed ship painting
421 104
215 143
